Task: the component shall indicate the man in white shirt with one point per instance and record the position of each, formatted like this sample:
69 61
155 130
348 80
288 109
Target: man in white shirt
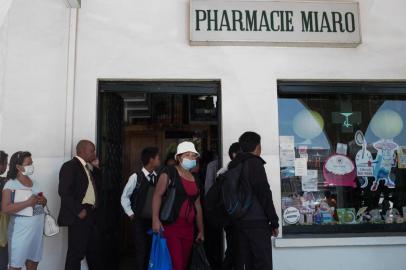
136 203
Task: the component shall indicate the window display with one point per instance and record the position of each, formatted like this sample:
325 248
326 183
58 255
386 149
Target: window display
342 158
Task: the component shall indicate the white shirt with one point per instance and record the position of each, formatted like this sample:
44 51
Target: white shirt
129 189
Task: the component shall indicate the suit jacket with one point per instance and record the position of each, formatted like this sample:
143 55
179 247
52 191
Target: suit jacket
73 184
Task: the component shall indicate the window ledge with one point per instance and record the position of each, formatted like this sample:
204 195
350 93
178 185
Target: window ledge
340 242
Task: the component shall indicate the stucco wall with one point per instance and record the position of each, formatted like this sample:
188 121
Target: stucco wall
149 40
33 46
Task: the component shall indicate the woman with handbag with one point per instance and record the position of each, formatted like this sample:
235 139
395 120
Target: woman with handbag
176 205
24 202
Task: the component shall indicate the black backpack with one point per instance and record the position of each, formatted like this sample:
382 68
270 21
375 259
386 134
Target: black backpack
230 197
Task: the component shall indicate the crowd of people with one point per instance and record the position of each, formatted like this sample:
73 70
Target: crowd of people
143 201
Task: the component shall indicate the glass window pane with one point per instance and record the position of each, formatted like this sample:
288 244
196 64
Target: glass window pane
342 162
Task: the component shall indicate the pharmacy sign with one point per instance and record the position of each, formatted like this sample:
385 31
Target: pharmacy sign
287 23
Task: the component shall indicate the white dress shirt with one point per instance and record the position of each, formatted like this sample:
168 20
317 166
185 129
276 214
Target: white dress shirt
129 189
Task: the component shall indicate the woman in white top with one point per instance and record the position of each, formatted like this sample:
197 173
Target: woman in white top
26 226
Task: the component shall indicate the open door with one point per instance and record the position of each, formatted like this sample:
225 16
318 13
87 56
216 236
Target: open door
137 114
110 150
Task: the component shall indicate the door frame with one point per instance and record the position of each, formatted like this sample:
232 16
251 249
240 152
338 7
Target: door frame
168 86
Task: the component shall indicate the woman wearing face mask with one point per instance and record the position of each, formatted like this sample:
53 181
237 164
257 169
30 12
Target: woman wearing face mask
181 233
25 231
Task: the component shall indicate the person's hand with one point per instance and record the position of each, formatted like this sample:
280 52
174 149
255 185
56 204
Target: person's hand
156 226
42 200
96 163
200 237
275 232
131 217
32 201
82 214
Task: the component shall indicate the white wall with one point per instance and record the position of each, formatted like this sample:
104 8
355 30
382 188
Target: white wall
149 40
33 47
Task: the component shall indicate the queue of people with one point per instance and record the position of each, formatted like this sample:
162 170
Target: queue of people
248 238
143 200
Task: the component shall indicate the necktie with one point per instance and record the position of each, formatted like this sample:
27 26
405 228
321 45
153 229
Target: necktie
152 178
89 170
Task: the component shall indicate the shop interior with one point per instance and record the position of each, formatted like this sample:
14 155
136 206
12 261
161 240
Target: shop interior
136 114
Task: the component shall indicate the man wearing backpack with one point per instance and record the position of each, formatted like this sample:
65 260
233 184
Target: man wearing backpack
252 246
133 200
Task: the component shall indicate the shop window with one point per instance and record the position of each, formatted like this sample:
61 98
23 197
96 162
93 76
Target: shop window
342 157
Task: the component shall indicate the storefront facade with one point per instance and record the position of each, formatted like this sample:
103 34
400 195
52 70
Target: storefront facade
52 58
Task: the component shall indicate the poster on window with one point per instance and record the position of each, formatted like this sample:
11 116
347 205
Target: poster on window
287 151
309 182
402 157
287 158
301 167
287 142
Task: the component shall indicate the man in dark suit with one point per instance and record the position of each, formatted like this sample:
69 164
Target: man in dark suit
78 190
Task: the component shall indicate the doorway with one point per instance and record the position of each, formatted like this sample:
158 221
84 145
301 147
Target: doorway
136 114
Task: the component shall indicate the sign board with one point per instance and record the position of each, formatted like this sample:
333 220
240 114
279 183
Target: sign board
288 23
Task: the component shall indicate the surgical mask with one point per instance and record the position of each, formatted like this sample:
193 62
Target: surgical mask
188 164
28 170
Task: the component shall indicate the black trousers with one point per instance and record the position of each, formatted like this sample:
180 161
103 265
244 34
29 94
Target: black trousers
214 247
84 241
228 258
142 242
252 248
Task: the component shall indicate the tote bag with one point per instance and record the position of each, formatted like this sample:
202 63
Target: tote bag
160 258
199 260
167 213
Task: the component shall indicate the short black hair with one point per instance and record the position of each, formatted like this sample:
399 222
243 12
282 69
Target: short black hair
249 141
170 156
148 153
3 157
234 149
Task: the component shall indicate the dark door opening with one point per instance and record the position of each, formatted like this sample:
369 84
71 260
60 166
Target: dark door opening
136 114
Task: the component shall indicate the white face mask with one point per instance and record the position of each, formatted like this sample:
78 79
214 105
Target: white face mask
28 170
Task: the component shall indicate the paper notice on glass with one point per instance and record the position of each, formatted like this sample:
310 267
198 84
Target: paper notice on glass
21 195
341 149
287 142
309 182
301 167
365 170
402 157
287 157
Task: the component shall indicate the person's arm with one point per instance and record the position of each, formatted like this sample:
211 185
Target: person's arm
65 190
199 220
160 190
7 207
263 192
127 192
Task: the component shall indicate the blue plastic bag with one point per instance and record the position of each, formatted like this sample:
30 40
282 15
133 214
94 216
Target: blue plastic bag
160 258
